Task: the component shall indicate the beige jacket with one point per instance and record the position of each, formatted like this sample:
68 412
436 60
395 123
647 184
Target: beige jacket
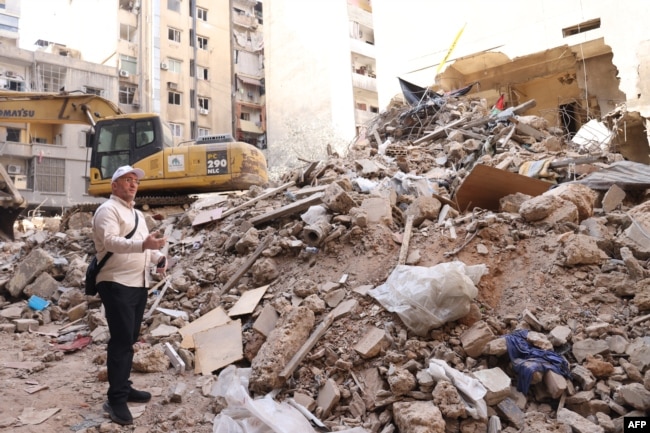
129 265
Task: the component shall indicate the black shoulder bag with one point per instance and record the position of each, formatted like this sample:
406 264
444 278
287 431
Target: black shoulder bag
94 267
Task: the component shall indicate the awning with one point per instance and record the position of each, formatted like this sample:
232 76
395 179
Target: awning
249 80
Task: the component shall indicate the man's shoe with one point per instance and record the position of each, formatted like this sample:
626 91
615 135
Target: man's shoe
119 413
136 396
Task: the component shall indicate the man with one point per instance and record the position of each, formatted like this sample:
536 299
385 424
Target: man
122 284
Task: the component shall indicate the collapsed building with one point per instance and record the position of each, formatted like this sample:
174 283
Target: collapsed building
467 266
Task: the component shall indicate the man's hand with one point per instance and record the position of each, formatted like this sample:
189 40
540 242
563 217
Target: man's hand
154 241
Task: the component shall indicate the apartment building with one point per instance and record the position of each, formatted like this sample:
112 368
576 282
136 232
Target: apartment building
200 64
48 163
321 77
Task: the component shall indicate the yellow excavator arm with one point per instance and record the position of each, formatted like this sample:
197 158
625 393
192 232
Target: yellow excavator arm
55 108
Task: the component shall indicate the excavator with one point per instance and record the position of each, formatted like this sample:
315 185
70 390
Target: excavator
143 140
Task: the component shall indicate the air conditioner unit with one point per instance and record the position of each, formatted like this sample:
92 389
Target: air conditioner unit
10 73
20 182
124 73
203 111
13 169
164 66
171 85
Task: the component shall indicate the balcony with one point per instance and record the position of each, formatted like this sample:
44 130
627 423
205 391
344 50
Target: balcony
364 82
359 46
245 21
248 126
362 117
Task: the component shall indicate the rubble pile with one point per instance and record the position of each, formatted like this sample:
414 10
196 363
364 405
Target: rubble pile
459 270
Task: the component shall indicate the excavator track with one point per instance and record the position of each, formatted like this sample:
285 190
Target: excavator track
144 203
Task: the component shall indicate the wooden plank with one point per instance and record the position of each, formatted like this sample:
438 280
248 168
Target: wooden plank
248 301
306 175
289 209
256 199
341 310
405 241
309 190
212 319
168 283
218 347
521 108
207 216
242 270
485 186
439 132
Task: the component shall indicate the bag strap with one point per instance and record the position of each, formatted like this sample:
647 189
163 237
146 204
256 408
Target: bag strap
109 254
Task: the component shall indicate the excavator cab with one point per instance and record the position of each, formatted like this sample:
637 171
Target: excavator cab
124 141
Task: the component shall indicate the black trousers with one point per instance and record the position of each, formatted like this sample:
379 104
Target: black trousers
124 307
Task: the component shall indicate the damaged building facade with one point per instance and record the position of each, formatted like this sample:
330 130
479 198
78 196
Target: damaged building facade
579 61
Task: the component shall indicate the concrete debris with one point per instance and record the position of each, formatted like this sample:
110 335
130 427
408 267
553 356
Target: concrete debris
280 282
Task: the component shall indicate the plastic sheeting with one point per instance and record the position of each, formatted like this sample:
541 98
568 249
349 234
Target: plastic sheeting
243 414
428 297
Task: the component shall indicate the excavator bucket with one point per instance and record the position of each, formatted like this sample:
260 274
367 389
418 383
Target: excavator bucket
12 204
8 217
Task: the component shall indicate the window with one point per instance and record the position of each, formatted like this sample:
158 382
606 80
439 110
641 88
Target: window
93 91
245 116
204 103
49 175
15 85
128 64
175 65
52 77
177 129
144 133
203 132
201 14
13 134
192 68
173 34
203 42
202 73
126 94
191 38
127 32
174 5
192 98
174 98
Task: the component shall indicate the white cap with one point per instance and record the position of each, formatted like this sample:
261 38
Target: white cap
125 169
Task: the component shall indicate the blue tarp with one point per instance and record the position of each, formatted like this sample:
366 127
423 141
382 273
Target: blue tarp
527 359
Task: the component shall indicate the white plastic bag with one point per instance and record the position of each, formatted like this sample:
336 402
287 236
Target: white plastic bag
471 388
244 414
427 297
